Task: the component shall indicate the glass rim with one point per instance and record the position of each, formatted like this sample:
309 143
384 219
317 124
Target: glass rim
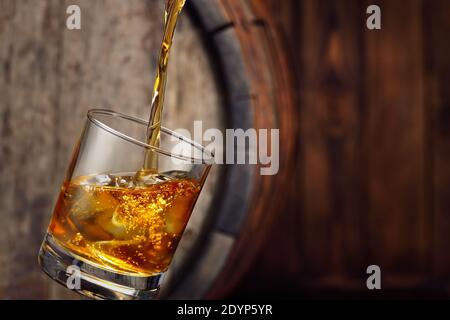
91 116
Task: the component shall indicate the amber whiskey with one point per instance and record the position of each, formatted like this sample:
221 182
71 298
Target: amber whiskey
129 228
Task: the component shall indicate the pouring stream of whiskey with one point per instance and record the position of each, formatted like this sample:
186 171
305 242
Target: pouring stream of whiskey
130 223
173 9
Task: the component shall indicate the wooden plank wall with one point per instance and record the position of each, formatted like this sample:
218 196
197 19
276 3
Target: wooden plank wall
373 185
49 78
437 74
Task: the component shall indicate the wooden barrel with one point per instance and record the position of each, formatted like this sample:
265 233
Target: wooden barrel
228 69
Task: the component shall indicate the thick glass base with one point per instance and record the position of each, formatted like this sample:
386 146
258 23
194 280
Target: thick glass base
92 281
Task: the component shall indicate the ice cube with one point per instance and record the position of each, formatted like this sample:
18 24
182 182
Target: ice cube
93 180
102 180
90 204
178 214
109 223
123 182
145 178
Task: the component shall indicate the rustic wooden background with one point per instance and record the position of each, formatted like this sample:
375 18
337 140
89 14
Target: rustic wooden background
50 77
372 185
373 178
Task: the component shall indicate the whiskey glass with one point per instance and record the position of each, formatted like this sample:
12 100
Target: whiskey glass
115 226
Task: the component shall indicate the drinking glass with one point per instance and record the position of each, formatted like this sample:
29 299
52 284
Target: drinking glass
116 226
